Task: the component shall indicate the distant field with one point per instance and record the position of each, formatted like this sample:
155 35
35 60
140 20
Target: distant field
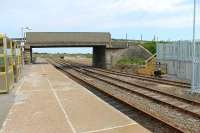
59 55
78 58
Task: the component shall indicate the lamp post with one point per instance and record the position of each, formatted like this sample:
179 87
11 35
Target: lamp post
23 32
194 49
23 40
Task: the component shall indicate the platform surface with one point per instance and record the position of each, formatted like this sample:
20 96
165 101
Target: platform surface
47 101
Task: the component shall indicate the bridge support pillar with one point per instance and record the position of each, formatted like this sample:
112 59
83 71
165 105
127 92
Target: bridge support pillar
99 57
31 55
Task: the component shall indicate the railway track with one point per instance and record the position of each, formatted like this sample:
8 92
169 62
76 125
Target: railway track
180 113
138 116
141 77
133 83
148 78
172 90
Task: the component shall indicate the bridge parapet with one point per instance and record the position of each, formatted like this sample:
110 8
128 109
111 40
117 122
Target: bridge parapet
119 44
65 39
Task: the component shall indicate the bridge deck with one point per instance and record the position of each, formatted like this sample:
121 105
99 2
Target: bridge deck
49 102
67 39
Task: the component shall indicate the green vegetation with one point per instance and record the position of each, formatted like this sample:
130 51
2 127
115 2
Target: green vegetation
131 61
150 45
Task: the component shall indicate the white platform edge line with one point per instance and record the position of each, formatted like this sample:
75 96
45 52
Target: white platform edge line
99 99
105 129
60 104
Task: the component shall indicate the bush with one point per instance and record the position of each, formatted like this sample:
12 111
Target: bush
151 46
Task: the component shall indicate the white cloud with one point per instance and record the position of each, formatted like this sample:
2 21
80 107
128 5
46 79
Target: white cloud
173 22
104 15
123 13
131 13
153 6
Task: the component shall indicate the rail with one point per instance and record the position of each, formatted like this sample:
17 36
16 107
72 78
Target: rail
185 108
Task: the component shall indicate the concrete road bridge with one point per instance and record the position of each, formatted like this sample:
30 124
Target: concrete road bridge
105 51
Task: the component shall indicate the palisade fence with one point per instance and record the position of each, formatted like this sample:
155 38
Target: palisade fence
182 53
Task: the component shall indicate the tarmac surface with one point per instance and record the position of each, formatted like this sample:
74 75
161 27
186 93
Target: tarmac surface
47 101
6 102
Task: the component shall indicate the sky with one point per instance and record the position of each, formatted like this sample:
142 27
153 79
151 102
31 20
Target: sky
167 19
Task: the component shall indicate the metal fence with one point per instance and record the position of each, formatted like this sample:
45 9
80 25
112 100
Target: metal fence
181 51
179 58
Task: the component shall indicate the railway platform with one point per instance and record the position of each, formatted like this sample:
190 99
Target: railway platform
47 101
